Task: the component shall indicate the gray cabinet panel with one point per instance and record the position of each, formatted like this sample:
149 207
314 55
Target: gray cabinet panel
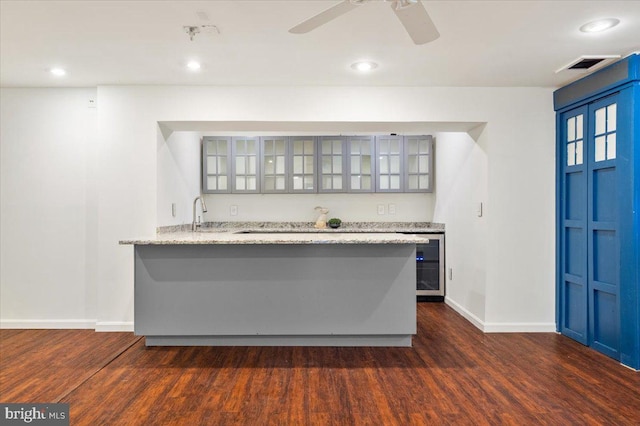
275 290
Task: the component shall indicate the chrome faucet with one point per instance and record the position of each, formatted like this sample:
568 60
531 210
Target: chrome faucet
194 224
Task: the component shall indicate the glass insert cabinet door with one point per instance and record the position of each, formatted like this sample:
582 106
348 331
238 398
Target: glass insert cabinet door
245 173
216 153
419 159
361 175
274 164
302 166
331 167
388 162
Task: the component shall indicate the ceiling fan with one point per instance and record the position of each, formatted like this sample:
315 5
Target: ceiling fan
411 13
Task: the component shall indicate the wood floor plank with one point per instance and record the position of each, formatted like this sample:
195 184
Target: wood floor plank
454 374
45 365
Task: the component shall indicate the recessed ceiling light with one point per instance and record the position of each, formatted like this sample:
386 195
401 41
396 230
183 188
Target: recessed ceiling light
364 66
193 65
599 25
59 72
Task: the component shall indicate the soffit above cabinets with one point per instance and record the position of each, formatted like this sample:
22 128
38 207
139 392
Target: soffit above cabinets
266 128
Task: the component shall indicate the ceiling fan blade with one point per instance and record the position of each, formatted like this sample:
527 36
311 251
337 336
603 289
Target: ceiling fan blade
416 21
324 17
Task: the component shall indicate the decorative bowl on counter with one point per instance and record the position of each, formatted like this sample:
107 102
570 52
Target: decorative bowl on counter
334 223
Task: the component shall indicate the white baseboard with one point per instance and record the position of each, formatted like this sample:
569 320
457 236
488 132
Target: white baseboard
519 327
48 324
501 327
114 326
67 324
465 313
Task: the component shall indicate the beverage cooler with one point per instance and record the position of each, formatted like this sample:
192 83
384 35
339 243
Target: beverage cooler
430 268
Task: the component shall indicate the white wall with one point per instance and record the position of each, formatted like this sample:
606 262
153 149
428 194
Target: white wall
507 285
300 207
178 176
521 256
48 208
461 184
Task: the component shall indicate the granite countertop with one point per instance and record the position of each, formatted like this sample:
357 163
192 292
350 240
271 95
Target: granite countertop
290 233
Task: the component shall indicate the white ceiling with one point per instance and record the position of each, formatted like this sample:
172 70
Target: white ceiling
482 43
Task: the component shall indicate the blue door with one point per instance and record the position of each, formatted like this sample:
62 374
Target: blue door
603 246
573 268
589 243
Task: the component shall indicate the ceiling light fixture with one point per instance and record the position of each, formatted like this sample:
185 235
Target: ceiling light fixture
193 65
599 25
364 66
193 30
58 72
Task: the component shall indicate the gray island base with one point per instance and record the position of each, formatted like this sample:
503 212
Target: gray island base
276 294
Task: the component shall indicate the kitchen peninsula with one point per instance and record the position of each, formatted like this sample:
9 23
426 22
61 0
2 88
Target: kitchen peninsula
225 287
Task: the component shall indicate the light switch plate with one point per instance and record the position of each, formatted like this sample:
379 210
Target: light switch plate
233 210
173 209
479 209
392 209
380 208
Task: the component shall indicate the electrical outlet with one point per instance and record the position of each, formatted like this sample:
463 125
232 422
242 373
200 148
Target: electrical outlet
91 103
233 210
450 274
380 208
392 209
173 209
479 209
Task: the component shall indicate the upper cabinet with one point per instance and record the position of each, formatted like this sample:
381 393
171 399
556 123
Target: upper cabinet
302 164
216 164
246 172
361 171
311 164
332 164
418 163
274 164
389 156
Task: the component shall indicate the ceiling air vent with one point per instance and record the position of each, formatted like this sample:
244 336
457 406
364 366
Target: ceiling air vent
586 62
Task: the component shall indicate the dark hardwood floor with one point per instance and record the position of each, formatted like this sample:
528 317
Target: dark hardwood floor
454 374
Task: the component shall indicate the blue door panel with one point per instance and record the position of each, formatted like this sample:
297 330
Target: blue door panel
575 196
574 313
575 252
605 193
605 324
605 265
